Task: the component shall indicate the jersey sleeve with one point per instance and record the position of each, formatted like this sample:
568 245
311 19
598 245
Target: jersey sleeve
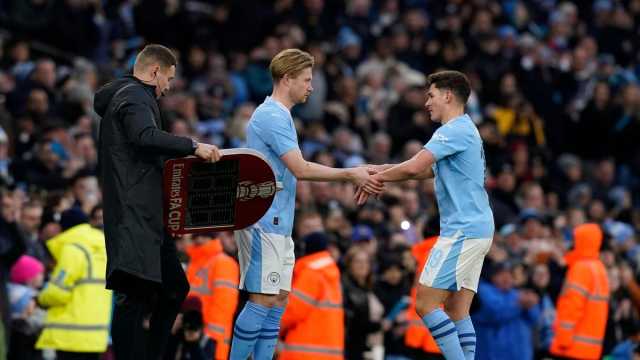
276 131
446 141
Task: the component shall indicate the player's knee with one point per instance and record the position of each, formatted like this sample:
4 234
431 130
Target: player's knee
456 310
452 310
428 299
456 314
424 307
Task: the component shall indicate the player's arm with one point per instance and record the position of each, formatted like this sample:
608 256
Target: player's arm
379 168
418 167
426 174
307 170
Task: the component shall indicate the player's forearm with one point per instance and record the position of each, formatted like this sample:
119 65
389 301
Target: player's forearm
316 172
401 172
382 167
426 174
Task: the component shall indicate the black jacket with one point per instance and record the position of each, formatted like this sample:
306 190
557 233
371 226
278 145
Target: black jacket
12 246
357 318
132 151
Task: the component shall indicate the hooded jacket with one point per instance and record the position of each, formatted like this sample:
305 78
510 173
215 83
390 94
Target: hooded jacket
132 150
313 322
213 276
583 305
79 307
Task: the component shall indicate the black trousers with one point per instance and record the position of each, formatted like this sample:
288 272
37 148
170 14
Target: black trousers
144 313
63 355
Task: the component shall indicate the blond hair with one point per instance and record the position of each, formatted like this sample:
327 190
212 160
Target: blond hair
289 62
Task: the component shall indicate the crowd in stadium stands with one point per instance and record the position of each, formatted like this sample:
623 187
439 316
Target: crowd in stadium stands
555 96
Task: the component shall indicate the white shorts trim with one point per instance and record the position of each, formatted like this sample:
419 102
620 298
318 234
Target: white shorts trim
455 263
266 260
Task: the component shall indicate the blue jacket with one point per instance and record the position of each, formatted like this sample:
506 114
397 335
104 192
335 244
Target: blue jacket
544 326
504 330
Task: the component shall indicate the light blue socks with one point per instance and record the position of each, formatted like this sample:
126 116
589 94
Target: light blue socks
266 344
444 333
247 330
467 336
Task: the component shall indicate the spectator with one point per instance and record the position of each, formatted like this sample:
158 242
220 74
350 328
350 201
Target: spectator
583 305
313 323
28 271
12 246
363 310
543 331
213 276
26 323
391 289
193 343
506 317
30 219
75 297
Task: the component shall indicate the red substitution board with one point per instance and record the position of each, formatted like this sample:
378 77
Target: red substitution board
230 194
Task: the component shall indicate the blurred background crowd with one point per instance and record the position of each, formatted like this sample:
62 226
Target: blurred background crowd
555 96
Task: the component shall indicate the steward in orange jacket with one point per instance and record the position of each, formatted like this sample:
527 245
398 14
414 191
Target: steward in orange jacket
214 276
418 336
583 305
313 323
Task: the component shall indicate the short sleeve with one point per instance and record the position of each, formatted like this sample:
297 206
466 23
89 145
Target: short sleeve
277 132
446 141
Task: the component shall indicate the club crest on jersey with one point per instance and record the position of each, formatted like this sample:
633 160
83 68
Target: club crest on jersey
274 278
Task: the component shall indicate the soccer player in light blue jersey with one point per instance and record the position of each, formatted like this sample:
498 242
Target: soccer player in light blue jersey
265 249
455 158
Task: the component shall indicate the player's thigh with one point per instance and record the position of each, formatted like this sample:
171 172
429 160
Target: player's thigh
458 304
468 270
429 299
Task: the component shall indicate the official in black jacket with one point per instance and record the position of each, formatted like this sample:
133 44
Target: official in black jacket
142 266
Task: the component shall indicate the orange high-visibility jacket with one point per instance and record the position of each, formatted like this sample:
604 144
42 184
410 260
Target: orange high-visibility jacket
214 278
313 323
583 305
417 335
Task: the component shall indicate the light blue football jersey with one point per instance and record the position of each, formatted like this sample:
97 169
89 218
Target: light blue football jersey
271 132
459 179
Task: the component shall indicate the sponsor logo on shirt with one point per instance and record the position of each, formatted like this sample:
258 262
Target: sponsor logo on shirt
440 137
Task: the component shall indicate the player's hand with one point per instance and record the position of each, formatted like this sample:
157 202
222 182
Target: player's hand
373 187
208 152
361 196
361 177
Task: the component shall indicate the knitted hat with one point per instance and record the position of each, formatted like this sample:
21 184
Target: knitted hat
25 269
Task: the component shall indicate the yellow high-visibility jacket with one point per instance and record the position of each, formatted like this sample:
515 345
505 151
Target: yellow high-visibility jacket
78 305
